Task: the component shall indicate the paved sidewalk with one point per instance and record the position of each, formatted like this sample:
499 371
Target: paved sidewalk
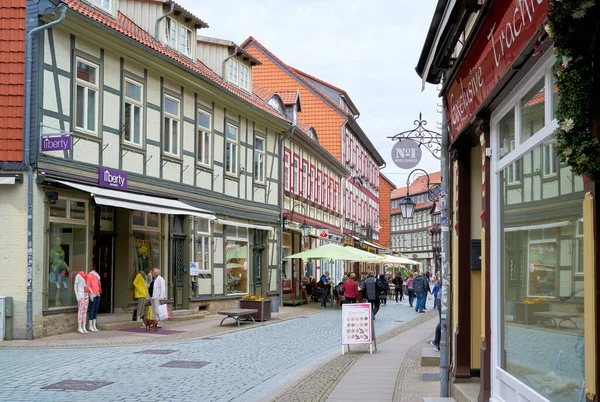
373 377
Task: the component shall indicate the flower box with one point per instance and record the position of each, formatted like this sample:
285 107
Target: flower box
263 307
524 312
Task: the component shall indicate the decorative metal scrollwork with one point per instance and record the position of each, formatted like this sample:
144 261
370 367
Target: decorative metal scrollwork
431 140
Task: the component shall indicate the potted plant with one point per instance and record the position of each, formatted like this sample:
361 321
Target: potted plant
259 303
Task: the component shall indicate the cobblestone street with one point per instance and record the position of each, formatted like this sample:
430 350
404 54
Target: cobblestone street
243 366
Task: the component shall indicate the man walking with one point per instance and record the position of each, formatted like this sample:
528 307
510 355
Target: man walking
398 282
420 289
371 292
157 293
325 288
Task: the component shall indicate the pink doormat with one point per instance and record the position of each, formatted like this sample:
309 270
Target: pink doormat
159 332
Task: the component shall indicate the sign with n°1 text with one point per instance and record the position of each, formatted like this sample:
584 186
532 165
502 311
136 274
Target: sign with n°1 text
406 153
356 323
112 178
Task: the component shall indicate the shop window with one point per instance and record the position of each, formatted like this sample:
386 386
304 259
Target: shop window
237 266
204 138
540 259
533 110
107 218
202 255
87 89
67 254
231 150
147 242
134 106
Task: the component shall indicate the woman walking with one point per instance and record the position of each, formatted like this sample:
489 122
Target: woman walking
409 289
398 282
350 289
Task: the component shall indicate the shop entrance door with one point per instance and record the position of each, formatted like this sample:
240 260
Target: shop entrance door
257 261
178 270
104 258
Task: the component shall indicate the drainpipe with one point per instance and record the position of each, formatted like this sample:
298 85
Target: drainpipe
235 50
445 288
26 156
161 17
281 200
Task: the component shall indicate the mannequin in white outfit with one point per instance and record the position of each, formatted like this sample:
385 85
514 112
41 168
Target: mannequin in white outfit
83 300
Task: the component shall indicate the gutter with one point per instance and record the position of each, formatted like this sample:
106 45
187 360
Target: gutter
27 156
281 219
162 17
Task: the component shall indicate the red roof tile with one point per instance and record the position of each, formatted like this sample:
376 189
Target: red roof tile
418 186
12 79
127 27
288 97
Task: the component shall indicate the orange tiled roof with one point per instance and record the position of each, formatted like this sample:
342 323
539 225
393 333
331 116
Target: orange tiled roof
418 186
263 93
288 97
127 27
12 79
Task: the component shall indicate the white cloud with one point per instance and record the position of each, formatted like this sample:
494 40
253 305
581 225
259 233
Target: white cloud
368 48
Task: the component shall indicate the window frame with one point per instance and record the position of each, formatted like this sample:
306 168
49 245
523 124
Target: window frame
234 147
263 153
244 70
336 204
183 46
170 23
312 179
172 117
97 88
553 163
233 62
134 102
296 177
305 179
319 187
202 131
287 167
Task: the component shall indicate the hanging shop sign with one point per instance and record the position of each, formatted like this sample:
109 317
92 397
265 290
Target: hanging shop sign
56 143
406 153
323 233
504 34
112 178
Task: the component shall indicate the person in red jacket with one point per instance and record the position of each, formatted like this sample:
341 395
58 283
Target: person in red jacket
350 289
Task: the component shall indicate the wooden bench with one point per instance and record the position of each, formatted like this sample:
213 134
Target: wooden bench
237 314
556 315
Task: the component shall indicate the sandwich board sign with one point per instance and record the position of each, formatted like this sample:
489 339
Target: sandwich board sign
357 326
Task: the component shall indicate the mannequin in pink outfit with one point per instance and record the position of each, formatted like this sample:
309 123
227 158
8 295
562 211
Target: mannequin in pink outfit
83 300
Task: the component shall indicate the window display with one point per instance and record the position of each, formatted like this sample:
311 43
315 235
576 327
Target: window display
147 242
237 267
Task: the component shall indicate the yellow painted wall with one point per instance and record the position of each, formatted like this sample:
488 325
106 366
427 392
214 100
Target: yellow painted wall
476 284
589 293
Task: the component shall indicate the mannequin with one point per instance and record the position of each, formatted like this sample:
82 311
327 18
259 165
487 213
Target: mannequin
82 296
58 267
95 289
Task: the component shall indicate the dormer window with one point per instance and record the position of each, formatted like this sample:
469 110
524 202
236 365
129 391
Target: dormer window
233 71
105 4
244 74
185 44
171 32
274 103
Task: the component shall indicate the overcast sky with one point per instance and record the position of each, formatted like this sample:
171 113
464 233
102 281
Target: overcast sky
367 47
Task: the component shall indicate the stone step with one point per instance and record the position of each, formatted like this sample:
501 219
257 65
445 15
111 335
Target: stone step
115 326
430 357
437 399
185 315
466 391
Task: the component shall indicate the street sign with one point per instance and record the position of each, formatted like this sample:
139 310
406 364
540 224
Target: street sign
194 269
323 233
406 153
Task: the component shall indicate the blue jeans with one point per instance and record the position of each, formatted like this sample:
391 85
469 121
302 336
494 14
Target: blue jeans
420 301
411 296
324 293
94 307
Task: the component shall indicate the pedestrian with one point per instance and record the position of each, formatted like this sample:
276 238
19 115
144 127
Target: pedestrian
427 292
93 282
350 288
325 288
398 282
409 289
420 289
434 292
140 292
157 293
438 329
371 292
384 288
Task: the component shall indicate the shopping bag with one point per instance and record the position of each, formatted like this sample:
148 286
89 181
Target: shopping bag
163 312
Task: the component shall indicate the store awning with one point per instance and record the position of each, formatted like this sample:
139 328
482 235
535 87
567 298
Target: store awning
244 225
139 202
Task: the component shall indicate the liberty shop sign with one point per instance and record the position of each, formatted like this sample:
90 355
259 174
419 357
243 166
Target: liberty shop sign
112 178
406 154
56 143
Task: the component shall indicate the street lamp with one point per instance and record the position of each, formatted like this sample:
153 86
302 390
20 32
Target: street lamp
304 228
407 205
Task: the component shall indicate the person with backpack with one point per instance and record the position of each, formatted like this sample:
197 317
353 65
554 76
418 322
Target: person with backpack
371 292
420 288
384 288
398 282
325 283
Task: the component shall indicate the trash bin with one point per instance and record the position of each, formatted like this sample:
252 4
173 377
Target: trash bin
275 305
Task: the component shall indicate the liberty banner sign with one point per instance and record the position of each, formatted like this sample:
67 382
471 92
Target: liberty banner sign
112 178
406 154
56 143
